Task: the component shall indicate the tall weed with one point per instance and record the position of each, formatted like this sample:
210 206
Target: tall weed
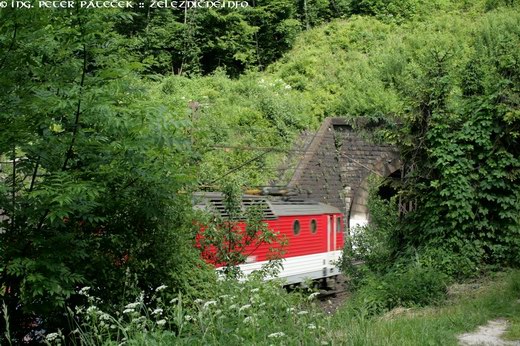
252 311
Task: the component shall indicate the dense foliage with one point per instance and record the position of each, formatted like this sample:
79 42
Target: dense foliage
234 312
109 117
240 129
197 40
445 91
91 172
467 177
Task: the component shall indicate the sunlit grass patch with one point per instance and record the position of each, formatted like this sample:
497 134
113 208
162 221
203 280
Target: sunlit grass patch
513 331
434 325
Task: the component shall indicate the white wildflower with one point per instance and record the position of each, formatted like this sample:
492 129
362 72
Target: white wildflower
128 311
242 308
84 290
104 316
51 336
198 301
276 335
290 309
160 288
188 318
311 326
255 290
140 319
132 306
209 303
224 296
174 300
161 322
157 311
303 312
313 295
92 309
249 319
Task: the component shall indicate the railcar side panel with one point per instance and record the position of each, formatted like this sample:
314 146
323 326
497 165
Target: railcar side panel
307 255
311 234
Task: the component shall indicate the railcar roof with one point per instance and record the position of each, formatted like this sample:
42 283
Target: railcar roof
272 208
302 207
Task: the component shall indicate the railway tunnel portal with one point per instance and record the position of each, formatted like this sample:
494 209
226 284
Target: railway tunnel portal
335 168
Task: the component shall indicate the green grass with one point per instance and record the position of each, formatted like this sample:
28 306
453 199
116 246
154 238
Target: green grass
473 305
513 332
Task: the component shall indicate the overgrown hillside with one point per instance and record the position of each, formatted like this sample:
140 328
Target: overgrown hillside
374 72
111 118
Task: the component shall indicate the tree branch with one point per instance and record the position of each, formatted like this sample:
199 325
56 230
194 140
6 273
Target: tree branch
33 179
10 46
69 153
13 218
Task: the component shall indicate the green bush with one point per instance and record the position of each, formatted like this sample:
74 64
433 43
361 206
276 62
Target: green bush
408 286
455 264
374 244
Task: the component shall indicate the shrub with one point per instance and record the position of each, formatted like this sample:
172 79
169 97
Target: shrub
455 264
407 286
374 244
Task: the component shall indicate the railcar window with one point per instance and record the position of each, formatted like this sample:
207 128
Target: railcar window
314 226
338 225
296 227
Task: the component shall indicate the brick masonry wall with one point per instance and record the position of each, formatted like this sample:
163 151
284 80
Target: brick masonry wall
336 164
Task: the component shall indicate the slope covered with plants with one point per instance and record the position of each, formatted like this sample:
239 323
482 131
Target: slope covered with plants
108 124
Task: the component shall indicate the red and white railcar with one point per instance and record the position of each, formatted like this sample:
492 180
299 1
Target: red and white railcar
313 231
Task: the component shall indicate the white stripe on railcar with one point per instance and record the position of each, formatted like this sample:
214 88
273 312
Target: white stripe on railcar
300 268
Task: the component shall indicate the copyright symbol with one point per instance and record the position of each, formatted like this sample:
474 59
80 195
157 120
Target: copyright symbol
3 4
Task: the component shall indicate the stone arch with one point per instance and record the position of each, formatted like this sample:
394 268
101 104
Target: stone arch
358 214
335 165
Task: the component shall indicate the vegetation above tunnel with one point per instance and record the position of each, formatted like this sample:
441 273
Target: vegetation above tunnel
108 124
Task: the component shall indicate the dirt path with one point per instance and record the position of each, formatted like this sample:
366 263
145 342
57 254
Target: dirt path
488 335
